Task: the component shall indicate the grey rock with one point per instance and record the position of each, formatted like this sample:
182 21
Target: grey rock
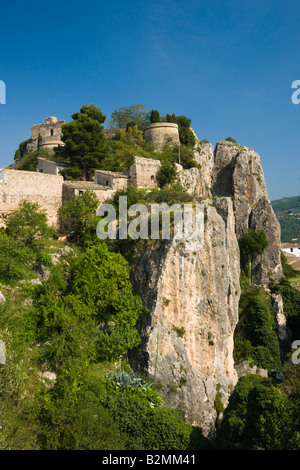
2 298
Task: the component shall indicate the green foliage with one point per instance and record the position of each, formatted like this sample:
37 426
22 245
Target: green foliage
29 162
287 211
84 139
166 174
171 118
101 281
186 135
135 114
15 259
147 423
154 116
286 268
17 156
252 243
72 173
291 303
128 143
27 223
255 336
230 139
78 217
258 417
20 152
218 404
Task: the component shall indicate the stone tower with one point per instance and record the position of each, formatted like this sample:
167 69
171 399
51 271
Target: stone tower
160 134
50 132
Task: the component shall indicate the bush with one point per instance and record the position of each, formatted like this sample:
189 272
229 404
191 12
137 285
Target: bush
256 337
166 174
78 217
15 259
27 223
258 417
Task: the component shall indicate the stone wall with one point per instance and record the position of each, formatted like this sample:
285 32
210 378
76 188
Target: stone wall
111 179
78 188
161 133
50 131
16 186
50 167
143 172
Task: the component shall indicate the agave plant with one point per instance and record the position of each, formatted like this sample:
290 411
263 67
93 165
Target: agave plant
123 380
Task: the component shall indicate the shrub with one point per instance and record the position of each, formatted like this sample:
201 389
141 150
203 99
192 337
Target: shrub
27 223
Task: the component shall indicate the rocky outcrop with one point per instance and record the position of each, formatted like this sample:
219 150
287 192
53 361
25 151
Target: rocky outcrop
238 173
244 368
284 333
198 180
192 297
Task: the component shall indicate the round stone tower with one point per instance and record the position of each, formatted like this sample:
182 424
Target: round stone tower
160 134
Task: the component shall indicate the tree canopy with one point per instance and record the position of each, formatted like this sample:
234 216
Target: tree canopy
84 139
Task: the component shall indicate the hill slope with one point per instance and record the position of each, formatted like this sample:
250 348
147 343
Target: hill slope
287 211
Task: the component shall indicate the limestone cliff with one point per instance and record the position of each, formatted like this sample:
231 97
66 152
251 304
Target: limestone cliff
193 296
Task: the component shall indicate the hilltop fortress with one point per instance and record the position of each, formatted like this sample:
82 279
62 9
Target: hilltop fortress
192 296
48 188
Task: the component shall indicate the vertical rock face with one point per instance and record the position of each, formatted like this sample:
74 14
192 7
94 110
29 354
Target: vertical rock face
193 299
193 296
238 173
198 181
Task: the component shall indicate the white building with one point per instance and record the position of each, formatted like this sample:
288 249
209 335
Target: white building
291 249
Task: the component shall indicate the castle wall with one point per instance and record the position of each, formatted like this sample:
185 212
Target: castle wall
50 167
111 179
78 188
161 134
143 172
50 131
16 186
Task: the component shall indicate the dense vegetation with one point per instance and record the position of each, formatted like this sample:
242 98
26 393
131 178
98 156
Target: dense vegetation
86 146
263 413
69 320
287 211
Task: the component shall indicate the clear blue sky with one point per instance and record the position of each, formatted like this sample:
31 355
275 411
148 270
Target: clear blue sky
228 65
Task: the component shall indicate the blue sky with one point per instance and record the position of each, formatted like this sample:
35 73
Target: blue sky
228 65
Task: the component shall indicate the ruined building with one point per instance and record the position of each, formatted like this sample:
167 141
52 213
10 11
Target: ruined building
46 136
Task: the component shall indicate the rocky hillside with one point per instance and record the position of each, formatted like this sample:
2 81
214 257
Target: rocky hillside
287 211
193 296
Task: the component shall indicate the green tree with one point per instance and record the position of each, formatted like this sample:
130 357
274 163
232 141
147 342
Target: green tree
84 139
154 116
256 336
78 217
252 243
27 223
258 417
186 135
15 259
101 281
20 152
166 174
129 142
135 114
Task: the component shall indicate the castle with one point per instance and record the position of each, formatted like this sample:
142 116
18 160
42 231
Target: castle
48 188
